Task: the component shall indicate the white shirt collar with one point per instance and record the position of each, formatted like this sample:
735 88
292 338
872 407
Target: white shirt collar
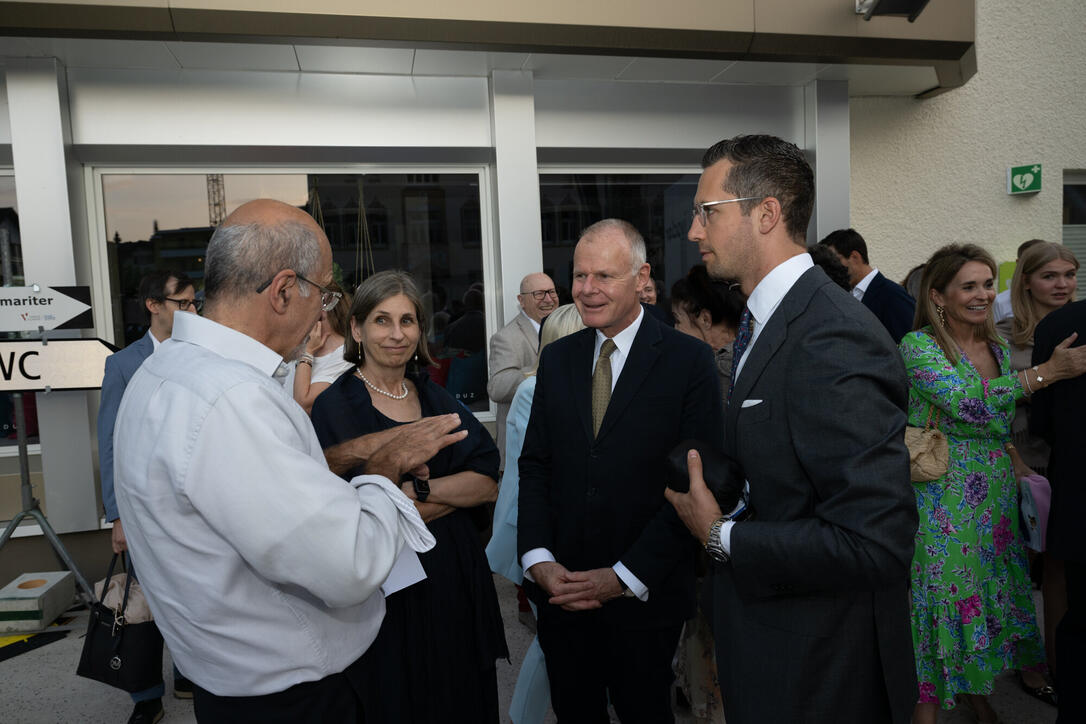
864 283
767 296
228 343
624 339
154 341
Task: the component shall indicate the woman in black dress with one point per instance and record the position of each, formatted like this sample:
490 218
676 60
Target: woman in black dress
434 658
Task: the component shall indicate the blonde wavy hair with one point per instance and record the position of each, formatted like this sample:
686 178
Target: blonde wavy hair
1026 314
562 322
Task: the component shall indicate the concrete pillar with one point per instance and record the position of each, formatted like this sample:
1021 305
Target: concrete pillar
826 136
512 114
51 223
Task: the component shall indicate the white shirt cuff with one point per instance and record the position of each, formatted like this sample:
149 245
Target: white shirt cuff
414 531
536 555
632 582
726 536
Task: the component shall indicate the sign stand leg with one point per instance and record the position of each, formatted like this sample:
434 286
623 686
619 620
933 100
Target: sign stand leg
30 505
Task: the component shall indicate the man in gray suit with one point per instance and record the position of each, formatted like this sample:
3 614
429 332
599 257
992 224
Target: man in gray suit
810 602
514 347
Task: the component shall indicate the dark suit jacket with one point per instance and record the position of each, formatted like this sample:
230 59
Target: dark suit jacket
593 503
120 367
812 615
893 306
1058 415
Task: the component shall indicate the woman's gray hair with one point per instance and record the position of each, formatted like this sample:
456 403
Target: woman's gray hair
636 242
379 287
242 257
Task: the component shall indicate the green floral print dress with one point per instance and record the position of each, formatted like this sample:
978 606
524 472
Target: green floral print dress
972 601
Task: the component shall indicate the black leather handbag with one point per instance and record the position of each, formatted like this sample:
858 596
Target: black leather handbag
124 655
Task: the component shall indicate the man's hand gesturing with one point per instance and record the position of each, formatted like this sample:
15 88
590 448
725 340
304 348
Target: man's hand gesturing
413 445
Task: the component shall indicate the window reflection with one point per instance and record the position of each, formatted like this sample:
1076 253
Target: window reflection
657 204
11 271
427 224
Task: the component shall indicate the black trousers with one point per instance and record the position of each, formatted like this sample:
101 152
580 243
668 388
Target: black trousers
1071 648
590 660
329 700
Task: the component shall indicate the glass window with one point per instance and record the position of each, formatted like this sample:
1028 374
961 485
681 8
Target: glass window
1074 224
426 223
658 204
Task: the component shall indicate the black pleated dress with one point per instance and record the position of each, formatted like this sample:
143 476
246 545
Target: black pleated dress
434 658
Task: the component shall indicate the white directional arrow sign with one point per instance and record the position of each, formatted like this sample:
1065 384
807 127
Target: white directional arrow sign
63 364
28 309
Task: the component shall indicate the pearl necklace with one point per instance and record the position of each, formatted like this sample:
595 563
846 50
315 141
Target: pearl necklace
375 388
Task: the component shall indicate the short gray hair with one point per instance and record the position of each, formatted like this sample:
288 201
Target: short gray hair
636 243
242 257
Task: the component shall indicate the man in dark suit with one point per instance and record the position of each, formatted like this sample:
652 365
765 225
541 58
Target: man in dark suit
610 565
810 606
162 293
887 300
1059 415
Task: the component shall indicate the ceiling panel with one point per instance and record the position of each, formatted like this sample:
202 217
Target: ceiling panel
674 69
234 56
769 73
548 66
883 80
465 62
88 53
330 59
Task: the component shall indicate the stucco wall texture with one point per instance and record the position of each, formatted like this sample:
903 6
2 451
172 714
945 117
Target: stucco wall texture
931 172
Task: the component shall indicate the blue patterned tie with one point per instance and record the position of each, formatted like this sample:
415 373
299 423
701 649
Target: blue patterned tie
742 339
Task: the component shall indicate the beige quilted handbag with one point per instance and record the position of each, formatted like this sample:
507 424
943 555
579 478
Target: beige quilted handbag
929 454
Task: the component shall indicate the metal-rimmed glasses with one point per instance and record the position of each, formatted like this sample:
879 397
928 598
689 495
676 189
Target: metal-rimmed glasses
329 298
185 304
701 211
540 294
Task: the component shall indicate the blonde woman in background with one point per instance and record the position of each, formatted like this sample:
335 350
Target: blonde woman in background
531 697
322 361
1044 280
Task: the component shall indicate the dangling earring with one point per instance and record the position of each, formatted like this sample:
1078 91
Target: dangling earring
942 317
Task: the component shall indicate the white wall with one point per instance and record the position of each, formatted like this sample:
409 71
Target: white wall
927 173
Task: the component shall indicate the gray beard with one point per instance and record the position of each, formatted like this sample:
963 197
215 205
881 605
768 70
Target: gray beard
295 354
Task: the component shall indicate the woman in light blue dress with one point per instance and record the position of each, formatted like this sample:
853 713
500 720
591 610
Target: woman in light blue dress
532 694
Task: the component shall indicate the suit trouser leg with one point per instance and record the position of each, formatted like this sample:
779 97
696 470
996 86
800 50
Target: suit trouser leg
588 658
1071 647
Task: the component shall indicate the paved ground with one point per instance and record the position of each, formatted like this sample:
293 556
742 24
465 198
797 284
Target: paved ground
41 687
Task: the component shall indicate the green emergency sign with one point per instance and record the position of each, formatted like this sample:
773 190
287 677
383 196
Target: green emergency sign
1024 179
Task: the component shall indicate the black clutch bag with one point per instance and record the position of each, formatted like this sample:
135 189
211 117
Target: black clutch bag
723 475
125 655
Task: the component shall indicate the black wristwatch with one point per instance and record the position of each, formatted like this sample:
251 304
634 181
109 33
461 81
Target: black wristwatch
422 488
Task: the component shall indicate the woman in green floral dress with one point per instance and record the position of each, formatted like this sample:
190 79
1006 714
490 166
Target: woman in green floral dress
972 603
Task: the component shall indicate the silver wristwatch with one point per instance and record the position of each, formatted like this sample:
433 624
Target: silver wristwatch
713 546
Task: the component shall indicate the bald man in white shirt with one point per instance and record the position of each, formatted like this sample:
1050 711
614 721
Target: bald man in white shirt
262 567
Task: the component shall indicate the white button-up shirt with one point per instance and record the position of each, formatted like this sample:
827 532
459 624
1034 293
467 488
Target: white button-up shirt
860 289
261 566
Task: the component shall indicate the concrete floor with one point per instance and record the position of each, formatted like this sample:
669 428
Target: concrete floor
41 686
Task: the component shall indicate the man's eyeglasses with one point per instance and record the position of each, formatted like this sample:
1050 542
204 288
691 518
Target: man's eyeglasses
186 304
701 211
540 294
329 298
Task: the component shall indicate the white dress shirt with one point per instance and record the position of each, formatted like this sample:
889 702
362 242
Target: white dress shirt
623 343
763 302
860 289
1002 308
261 566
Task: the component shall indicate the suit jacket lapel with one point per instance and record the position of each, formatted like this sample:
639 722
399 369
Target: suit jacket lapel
530 336
580 376
643 353
770 340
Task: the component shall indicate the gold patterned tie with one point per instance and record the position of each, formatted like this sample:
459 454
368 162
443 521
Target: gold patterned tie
601 385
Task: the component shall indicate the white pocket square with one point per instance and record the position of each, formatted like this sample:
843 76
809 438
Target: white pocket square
751 403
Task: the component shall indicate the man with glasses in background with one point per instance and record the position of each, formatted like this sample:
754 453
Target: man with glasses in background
162 293
261 565
514 347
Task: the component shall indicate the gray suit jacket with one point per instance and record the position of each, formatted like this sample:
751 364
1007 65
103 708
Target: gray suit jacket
513 351
812 614
120 367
